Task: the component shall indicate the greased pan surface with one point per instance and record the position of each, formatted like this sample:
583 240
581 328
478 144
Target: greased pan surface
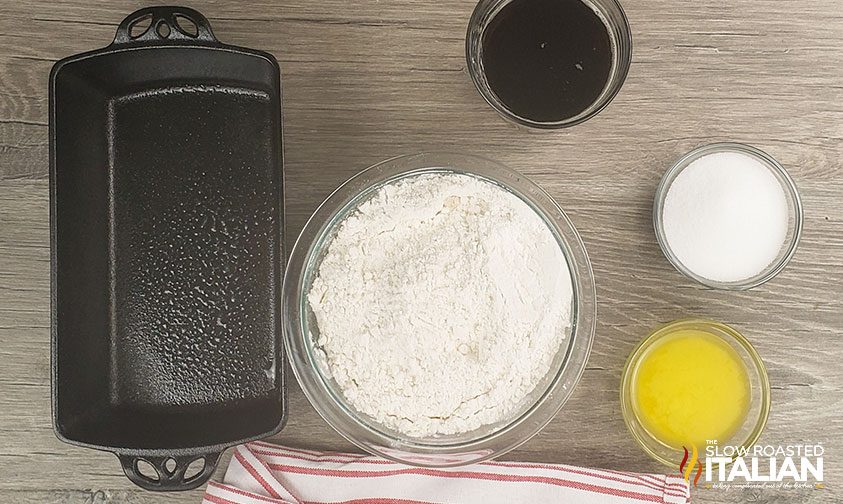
166 227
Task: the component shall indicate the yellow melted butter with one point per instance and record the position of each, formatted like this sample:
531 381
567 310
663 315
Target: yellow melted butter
690 387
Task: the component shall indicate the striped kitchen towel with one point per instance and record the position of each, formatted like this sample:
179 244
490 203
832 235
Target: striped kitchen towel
261 473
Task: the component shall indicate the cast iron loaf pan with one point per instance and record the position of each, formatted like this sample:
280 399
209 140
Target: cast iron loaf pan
166 215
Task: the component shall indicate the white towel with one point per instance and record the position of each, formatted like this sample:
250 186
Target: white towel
261 473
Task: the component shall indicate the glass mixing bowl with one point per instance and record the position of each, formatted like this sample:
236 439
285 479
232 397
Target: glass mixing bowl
324 394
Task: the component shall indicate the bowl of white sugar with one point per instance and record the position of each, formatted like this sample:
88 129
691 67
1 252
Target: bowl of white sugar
438 309
728 215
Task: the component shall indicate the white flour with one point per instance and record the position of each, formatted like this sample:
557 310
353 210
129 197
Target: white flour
441 302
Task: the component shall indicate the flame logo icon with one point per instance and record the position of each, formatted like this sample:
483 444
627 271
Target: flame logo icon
686 468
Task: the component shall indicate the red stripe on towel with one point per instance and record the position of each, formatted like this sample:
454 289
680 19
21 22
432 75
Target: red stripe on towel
468 475
260 479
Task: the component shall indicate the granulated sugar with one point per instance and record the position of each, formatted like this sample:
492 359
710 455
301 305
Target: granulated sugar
441 302
725 217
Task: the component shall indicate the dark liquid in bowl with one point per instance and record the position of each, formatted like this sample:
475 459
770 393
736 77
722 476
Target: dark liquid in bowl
547 60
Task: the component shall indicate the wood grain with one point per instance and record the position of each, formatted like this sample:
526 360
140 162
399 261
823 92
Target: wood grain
369 79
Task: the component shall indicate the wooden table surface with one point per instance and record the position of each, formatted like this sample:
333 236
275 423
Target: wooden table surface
369 79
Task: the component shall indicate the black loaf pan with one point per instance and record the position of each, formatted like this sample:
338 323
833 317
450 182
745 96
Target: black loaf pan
166 213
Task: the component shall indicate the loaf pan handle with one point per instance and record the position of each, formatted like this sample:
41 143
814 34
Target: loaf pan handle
169 480
168 24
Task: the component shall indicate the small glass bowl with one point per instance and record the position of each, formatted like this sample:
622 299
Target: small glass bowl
794 204
759 386
324 394
621 39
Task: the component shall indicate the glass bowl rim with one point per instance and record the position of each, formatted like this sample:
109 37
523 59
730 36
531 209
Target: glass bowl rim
345 197
791 194
634 359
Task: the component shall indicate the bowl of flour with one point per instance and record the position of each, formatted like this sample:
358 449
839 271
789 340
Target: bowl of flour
438 309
